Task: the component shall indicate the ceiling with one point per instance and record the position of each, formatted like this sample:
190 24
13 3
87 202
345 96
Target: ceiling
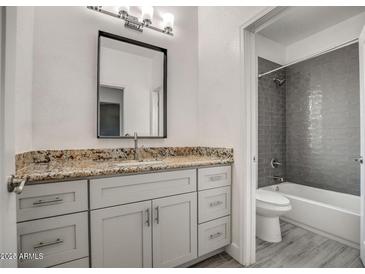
297 23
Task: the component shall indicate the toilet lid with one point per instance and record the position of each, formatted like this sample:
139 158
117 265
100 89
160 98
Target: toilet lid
271 197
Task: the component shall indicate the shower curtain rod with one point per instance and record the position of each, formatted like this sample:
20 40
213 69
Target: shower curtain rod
311 56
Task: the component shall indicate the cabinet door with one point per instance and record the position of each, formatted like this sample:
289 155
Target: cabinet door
121 236
174 230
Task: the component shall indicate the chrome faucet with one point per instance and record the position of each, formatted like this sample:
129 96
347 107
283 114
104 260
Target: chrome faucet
277 178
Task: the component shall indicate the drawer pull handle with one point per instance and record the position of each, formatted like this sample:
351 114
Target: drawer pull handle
46 202
216 235
216 178
216 203
43 244
148 221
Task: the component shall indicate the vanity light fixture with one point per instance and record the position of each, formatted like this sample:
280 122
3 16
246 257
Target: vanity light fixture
137 24
123 11
147 14
168 22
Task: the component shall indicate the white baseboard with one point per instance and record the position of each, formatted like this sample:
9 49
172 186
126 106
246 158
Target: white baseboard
323 233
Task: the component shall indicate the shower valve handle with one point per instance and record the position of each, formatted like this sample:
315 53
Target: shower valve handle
275 163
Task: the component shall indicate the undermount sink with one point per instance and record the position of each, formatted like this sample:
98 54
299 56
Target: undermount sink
139 163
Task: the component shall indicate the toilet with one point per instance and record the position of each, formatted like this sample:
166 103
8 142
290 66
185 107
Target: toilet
270 205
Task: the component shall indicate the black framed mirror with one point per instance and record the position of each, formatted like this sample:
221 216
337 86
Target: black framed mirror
131 88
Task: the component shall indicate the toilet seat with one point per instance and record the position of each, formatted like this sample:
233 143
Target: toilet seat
272 198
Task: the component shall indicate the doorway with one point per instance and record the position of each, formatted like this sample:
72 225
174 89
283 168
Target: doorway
274 23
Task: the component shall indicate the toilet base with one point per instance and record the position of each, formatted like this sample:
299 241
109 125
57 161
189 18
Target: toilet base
268 229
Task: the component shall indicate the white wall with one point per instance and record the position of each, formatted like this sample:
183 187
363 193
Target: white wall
270 50
64 77
221 112
24 79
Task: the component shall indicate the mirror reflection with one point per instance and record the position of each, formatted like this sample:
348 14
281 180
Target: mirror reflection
131 90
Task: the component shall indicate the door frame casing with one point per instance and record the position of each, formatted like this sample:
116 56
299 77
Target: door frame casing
249 98
362 140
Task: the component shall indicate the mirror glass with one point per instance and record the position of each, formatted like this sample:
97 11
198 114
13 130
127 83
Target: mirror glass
131 88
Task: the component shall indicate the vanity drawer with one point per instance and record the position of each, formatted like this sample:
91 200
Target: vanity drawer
214 234
214 177
80 263
127 189
60 239
46 200
214 203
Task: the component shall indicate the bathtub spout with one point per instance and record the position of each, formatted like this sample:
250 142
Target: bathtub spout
277 178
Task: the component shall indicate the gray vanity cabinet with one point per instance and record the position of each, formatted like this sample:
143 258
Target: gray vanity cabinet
162 219
53 221
121 236
126 235
60 239
49 200
214 195
174 230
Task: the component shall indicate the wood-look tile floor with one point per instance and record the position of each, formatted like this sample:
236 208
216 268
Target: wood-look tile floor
299 248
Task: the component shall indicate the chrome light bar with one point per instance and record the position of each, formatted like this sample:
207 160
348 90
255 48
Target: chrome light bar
133 22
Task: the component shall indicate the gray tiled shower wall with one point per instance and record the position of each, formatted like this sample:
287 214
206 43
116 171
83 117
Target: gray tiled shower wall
320 122
271 123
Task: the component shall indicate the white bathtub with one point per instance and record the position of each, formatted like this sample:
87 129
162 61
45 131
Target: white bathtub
332 214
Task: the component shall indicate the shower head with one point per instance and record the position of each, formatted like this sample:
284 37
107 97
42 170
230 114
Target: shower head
279 82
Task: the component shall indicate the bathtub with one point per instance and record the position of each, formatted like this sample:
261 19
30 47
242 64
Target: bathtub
329 213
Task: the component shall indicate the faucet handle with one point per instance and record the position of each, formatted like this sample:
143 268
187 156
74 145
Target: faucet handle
275 163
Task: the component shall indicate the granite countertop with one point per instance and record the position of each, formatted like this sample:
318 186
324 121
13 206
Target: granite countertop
56 165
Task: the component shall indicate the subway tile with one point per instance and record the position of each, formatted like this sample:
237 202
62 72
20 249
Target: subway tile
311 123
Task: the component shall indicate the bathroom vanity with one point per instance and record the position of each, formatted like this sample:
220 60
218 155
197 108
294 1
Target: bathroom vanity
121 213
141 207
